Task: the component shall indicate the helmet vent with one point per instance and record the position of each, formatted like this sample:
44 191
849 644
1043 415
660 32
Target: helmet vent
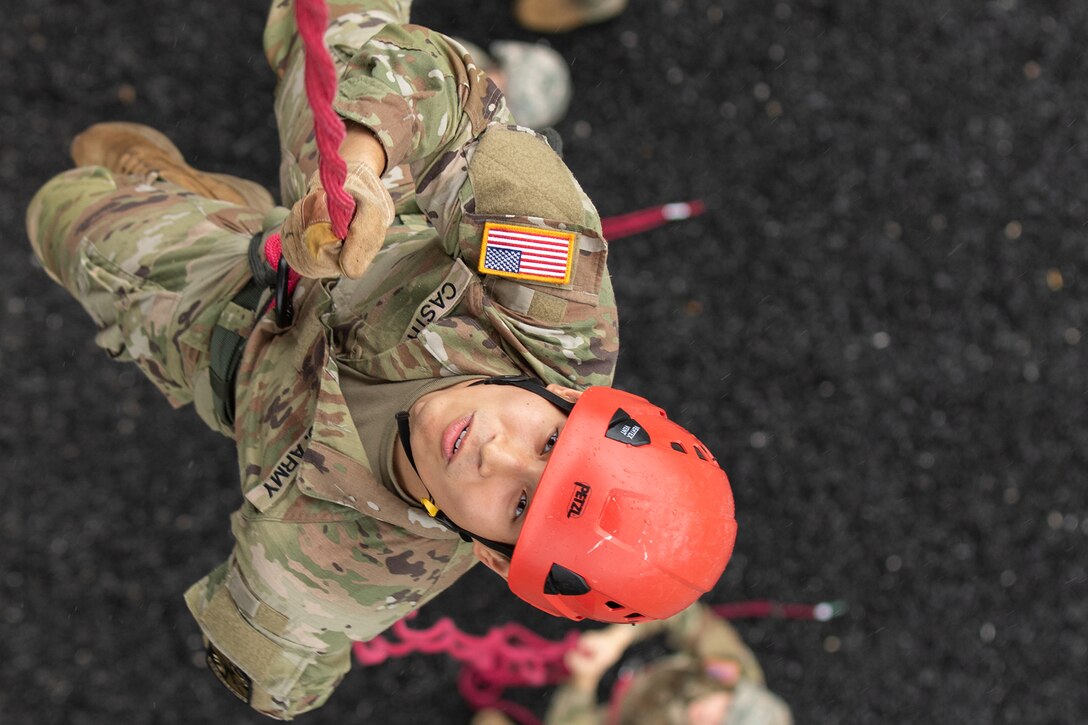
633 615
677 447
613 605
625 429
699 452
565 582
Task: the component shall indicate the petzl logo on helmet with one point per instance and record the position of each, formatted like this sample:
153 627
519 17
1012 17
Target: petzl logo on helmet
578 500
625 429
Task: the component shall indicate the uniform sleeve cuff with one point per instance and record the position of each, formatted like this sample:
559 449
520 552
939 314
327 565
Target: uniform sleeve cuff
389 119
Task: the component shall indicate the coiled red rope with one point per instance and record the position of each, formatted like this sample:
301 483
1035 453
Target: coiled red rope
511 655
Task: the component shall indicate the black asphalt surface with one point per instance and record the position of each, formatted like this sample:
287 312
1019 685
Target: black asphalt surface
877 327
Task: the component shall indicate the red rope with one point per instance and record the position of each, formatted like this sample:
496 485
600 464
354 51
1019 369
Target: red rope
624 225
312 19
766 609
506 656
512 655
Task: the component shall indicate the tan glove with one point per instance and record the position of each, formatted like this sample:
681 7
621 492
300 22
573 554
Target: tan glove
308 241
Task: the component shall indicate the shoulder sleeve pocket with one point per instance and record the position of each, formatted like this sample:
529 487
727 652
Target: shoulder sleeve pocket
588 258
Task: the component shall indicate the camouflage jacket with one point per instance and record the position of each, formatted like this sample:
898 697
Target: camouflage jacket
325 555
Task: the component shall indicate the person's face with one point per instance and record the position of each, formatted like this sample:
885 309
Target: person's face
480 450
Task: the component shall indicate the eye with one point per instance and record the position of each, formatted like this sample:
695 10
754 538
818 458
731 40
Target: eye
523 502
552 440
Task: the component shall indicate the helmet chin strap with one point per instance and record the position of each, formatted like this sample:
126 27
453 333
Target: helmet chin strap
533 386
404 432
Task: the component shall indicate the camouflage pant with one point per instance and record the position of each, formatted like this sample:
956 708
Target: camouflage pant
155 265
152 264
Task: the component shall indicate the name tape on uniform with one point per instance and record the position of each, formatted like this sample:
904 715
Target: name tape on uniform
441 301
529 253
273 487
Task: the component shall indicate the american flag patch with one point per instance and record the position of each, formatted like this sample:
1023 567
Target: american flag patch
531 253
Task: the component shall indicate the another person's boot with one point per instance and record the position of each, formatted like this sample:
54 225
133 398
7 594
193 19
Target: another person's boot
560 16
136 150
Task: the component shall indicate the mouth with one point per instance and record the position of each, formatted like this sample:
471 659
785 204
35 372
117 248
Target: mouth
454 436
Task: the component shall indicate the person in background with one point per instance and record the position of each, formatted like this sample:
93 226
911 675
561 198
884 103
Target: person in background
711 678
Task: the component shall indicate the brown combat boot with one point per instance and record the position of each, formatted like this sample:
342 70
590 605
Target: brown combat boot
138 150
560 16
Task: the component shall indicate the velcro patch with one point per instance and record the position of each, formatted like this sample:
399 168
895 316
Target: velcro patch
230 674
529 253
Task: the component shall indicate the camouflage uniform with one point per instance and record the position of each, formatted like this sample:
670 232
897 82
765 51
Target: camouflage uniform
325 554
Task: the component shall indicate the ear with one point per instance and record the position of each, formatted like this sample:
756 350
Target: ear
568 394
493 560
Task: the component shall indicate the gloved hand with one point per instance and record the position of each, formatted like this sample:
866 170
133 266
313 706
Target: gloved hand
308 241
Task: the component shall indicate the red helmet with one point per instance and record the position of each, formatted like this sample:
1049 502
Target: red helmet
632 520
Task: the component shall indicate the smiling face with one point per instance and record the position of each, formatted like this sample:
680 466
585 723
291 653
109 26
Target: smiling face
481 449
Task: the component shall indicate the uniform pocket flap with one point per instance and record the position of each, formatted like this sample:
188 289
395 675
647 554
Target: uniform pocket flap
271 666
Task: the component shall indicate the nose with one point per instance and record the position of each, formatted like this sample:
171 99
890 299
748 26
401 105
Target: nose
503 457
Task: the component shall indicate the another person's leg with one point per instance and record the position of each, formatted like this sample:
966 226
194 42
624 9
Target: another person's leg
153 264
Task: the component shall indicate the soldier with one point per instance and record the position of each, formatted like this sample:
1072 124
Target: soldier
711 679
417 401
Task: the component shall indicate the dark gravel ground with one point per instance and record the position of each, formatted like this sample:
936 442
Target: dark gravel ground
877 328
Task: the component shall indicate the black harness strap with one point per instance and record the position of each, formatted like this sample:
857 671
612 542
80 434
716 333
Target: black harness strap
225 352
533 386
225 346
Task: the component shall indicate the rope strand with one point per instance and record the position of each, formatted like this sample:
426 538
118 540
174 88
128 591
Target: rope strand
642 220
312 16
